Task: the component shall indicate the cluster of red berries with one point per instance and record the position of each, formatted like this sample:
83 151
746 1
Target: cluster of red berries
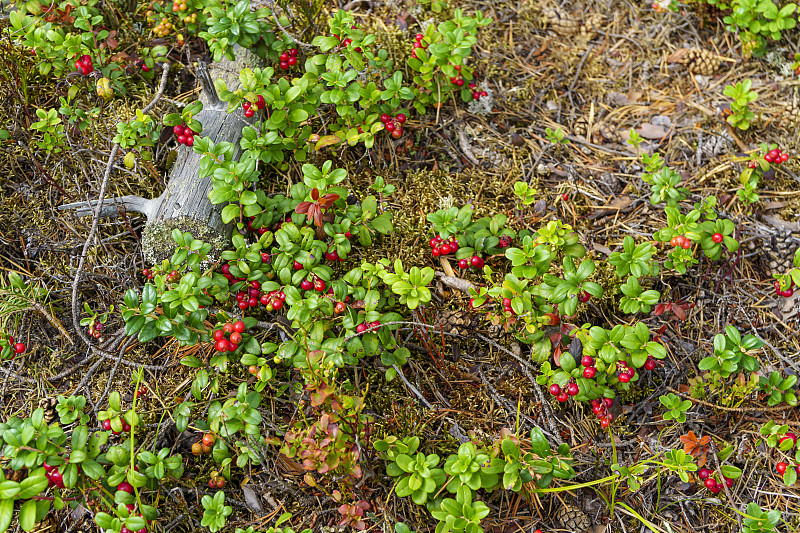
248 106
563 394
216 481
505 241
347 41
54 477
140 63
184 134
368 326
95 330
626 372
681 241
600 407
146 272
475 261
106 425
444 247
273 301
311 282
84 65
476 94
788 292
204 445
234 333
710 482
458 81
333 256
394 125
288 59
261 231
776 156
507 306
18 347
417 44
173 276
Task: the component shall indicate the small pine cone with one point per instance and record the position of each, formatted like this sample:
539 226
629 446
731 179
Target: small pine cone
49 407
573 519
780 252
560 21
457 322
602 132
696 60
580 127
790 117
591 24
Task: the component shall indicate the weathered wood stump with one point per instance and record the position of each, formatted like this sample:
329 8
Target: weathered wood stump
184 204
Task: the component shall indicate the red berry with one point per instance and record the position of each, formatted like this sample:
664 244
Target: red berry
454 246
361 328
107 425
768 158
555 389
563 397
390 127
463 264
293 52
459 82
445 249
436 252
781 467
674 241
717 238
476 261
125 487
178 130
249 113
650 364
221 345
277 304
57 478
587 361
189 141
260 103
284 65
319 285
419 37
385 118
19 347
473 86
589 372
292 61
679 240
605 422
285 56
573 389
126 427
484 93
784 158
584 297
624 377
728 481
752 164
398 132
401 118
236 337
239 326
686 244
306 285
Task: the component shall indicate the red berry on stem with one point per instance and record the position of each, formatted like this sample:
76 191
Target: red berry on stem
650 364
401 118
573 389
476 261
555 389
19 347
589 372
463 264
717 238
587 361
563 397
625 378
584 297
605 422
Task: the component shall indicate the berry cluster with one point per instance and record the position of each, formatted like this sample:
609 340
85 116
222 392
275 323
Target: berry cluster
17 348
248 106
458 81
776 156
626 372
204 445
311 282
475 261
444 247
54 477
563 394
234 333
333 256
261 231
711 483
505 241
788 292
106 425
600 407
394 125
288 59
680 240
417 44
272 301
190 19
179 5
347 41
162 30
368 326
185 134
476 94
84 65
216 481
95 330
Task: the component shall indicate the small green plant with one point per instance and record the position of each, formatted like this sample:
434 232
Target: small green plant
556 136
732 353
139 132
778 388
215 512
52 130
525 193
758 521
677 408
633 260
635 298
757 20
742 97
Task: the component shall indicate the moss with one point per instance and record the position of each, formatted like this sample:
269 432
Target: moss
157 243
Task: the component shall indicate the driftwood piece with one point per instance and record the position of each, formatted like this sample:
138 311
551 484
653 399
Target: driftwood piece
184 204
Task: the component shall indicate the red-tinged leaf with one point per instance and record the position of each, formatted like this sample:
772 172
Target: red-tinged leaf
679 312
315 194
327 140
659 310
662 329
344 509
302 207
318 218
557 354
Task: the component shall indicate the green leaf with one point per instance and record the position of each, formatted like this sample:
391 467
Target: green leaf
27 515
